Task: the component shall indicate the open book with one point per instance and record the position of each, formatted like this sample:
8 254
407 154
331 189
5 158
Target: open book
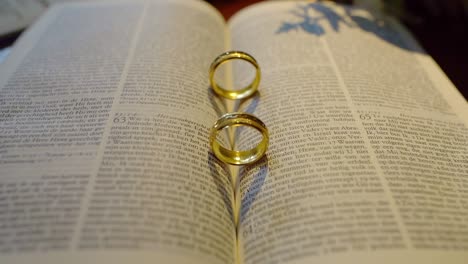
105 111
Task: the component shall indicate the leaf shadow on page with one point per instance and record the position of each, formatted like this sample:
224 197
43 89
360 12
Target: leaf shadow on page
222 178
311 18
252 179
312 23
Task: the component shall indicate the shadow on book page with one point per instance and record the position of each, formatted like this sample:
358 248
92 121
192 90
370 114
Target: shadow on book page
251 182
223 181
312 18
252 179
247 105
218 105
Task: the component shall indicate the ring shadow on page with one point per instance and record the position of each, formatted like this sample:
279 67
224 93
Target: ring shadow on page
222 178
218 103
247 105
310 18
252 179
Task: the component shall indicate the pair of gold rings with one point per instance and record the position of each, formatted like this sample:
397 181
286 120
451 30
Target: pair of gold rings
237 119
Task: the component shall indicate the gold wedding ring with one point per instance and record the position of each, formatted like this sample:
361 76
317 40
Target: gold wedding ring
244 156
234 94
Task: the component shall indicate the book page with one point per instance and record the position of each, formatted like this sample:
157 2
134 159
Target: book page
105 114
368 152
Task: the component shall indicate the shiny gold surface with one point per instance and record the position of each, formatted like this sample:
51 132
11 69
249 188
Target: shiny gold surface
239 157
234 94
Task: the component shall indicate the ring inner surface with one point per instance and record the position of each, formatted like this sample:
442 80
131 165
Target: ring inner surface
242 156
241 93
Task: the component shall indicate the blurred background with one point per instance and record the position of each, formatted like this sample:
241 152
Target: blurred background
440 26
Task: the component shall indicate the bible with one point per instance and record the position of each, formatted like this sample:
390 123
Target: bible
105 113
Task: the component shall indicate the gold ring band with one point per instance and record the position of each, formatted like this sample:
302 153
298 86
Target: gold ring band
235 94
244 156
